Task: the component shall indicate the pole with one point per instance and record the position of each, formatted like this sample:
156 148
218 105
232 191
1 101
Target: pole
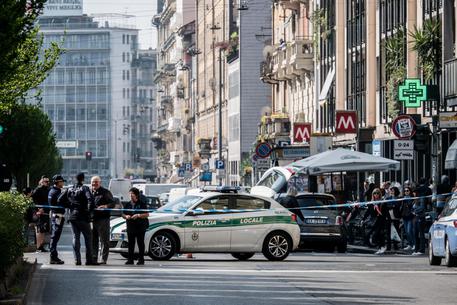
219 136
435 152
115 148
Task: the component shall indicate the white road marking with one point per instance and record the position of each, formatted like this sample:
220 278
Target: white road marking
237 271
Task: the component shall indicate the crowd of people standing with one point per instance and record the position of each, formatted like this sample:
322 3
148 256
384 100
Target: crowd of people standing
397 209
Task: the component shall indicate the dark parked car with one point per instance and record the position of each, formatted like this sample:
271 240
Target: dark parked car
320 225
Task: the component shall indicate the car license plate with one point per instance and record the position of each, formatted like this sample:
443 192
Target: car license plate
316 221
117 236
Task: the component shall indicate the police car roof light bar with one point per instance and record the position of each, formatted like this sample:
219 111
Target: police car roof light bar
221 189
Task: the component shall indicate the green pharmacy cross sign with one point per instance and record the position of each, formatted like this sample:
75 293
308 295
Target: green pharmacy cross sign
412 93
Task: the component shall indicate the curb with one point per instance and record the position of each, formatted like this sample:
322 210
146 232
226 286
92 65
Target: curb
22 298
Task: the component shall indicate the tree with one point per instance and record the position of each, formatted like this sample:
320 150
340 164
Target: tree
29 145
24 64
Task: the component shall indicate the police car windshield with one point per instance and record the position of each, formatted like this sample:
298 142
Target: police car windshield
180 205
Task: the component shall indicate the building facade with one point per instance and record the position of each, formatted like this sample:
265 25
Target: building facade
87 92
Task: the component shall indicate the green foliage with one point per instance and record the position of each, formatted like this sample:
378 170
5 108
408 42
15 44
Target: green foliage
28 146
319 21
13 207
427 44
24 64
395 70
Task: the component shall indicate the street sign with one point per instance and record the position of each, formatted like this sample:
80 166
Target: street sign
263 164
181 172
346 122
302 132
283 143
206 176
376 145
188 167
403 149
67 144
448 120
220 164
404 127
205 167
412 93
263 150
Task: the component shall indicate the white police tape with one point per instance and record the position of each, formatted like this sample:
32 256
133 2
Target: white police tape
341 205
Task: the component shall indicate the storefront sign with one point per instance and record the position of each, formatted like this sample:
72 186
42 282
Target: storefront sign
376 144
346 122
67 144
448 120
63 8
404 127
412 93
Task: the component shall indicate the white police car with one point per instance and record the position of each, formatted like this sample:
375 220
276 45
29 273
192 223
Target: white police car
443 236
216 222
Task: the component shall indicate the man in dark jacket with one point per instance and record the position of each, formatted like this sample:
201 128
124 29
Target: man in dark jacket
80 201
443 191
40 197
100 227
57 218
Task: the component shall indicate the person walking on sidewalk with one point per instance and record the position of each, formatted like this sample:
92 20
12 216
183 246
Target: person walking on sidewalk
40 197
381 212
57 218
80 201
103 199
137 223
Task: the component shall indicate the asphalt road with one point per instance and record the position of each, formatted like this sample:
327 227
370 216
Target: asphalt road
303 278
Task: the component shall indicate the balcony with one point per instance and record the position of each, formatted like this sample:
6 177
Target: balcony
279 125
266 72
174 124
291 4
163 127
450 79
301 55
278 58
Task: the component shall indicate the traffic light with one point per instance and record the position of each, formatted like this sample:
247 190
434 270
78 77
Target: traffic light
88 155
422 138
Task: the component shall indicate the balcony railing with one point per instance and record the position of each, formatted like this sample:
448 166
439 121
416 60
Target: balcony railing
301 55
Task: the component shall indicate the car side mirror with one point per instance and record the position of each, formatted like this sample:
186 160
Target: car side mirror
195 212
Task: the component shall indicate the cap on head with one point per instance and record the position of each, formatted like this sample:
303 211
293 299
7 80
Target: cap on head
58 178
80 177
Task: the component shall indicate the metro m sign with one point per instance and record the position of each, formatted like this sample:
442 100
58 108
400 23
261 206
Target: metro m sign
346 122
302 132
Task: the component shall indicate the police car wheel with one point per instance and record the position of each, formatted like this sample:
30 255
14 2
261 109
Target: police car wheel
449 259
243 256
162 246
277 246
432 259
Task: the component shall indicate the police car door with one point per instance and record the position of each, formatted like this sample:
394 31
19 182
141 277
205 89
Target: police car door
212 228
249 226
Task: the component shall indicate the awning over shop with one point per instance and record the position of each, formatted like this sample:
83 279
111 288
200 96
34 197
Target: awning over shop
451 156
344 160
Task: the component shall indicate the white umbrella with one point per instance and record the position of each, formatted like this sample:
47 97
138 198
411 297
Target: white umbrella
344 160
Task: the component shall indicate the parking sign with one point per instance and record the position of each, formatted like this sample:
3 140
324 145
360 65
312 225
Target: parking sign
220 164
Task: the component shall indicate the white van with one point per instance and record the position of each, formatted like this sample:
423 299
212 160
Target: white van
154 189
120 187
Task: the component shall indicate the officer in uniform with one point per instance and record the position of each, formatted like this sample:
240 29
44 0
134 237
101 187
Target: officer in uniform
100 230
57 218
80 201
137 223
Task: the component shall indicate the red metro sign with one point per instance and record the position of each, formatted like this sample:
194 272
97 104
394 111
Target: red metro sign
302 132
346 122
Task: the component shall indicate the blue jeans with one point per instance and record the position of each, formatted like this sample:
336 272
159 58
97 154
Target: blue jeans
78 227
56 231
409 231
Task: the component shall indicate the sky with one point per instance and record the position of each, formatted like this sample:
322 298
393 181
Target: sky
143 10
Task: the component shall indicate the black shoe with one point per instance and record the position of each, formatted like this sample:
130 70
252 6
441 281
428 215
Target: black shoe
78 263
42 249
92 264
129 262
140 262
56 261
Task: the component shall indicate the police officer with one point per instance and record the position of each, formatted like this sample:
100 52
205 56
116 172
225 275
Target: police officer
100 227
57 218
80 201
137 223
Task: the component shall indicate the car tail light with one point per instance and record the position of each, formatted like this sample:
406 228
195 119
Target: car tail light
294 217
455 223
339 220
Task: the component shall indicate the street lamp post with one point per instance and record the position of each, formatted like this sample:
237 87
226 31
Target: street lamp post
219 135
